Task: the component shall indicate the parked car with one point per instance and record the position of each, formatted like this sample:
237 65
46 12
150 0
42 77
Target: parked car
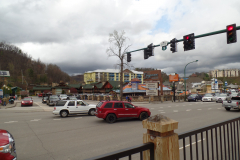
113 110
27 101
194 97
44 99
40 95
208 97
71 98
63 96
7 146
53 100
66 107
235 94
222 97
51 96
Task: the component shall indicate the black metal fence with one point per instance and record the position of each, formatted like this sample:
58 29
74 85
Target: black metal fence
218 141
127 152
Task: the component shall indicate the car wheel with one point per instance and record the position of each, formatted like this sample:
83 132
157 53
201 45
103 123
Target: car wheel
143 116
216 101
228 109
188 100
111 118
64 114
91 112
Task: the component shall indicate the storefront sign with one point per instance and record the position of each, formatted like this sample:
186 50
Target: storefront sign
151 85
4 74
134 86
173 78
152 92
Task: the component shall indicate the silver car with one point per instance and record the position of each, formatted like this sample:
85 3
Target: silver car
208 97
222 97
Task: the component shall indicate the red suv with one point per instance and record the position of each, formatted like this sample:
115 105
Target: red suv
112 110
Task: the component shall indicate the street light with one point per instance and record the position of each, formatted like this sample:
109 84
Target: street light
185 77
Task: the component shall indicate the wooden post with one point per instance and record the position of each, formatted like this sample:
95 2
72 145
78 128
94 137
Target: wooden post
160 131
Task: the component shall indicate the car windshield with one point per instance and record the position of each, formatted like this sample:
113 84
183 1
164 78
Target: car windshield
27 99
45 97
54 98
208 95
193 95
223 94
72 98
63 96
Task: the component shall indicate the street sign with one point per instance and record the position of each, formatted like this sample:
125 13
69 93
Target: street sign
152 92
164 48
164 43
4 74
151 85
173 78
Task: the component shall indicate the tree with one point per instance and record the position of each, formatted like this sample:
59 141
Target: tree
118 47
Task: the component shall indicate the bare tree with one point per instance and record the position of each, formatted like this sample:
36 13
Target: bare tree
118 47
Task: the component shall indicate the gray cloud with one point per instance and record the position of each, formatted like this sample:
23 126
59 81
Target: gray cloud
74 34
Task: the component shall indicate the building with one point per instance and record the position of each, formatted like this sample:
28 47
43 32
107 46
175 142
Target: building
224 73
111 75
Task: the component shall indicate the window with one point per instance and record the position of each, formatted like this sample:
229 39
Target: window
128 105
61 103
80 103
71 103
118 105
108 105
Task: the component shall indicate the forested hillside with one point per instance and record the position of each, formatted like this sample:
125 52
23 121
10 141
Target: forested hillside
14 60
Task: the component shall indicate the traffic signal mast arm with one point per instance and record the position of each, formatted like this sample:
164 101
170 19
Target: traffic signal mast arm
199 36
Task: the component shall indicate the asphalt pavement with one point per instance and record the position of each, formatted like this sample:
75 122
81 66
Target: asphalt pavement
41 135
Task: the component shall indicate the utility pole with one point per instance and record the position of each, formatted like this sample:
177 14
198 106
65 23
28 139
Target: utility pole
22 77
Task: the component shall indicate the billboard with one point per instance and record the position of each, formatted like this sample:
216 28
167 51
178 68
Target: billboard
152 92
214 85
4 74
151 85
173 78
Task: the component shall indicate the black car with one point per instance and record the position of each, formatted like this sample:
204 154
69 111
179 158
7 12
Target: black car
194 97
44 99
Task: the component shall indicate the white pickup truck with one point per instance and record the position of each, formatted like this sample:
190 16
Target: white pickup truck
66 107
234 103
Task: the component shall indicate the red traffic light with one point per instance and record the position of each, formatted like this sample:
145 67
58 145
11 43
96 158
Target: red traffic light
187 37
229 28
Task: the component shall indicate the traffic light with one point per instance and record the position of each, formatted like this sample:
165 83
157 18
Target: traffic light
231 34
128 57
173 45
189 42
149 51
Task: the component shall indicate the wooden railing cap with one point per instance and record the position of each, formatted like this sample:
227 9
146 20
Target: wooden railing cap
160 123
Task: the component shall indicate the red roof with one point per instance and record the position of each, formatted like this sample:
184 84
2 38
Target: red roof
135 80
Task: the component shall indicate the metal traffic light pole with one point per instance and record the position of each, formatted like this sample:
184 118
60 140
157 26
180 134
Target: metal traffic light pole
199 36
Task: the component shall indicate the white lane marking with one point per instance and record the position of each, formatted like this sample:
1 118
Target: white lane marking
188 110
162 112
11 122
56 119
199 109
35 120
192 143
78 118
209 108
175 110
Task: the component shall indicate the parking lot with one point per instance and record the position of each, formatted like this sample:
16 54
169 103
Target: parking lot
41 135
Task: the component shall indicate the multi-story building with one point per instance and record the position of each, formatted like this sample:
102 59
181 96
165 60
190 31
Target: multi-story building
224 73
111 75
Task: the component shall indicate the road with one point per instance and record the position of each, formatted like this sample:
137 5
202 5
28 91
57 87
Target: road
41 135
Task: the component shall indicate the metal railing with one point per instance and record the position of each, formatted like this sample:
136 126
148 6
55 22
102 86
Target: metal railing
217 141
127 152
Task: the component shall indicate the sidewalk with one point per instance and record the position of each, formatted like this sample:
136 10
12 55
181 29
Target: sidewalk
10 105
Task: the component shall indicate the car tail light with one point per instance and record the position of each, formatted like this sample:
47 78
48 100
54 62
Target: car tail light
237 103
54 108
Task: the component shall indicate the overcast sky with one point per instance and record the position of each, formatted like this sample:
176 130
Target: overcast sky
74 33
